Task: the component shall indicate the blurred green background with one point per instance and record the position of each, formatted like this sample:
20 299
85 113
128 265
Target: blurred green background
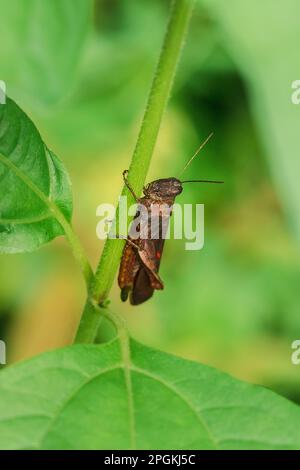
82 70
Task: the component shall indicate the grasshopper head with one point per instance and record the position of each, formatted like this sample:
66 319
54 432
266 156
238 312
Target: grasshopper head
163 188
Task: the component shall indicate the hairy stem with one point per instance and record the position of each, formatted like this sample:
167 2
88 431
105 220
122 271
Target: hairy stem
158 98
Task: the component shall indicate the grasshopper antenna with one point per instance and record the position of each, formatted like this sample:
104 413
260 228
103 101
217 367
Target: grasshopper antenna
197 151
203 181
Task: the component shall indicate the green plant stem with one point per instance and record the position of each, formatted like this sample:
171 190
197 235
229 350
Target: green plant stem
78 252
158 98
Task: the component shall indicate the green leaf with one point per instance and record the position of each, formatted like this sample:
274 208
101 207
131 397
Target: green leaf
95 397
45 40
34 187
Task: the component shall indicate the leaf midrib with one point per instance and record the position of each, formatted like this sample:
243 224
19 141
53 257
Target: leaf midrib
53 208
138 370
26 220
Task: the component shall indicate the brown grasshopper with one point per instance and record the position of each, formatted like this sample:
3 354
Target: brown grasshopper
138 273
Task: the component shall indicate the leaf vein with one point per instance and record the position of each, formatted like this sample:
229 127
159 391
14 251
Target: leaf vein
183 398
70 398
